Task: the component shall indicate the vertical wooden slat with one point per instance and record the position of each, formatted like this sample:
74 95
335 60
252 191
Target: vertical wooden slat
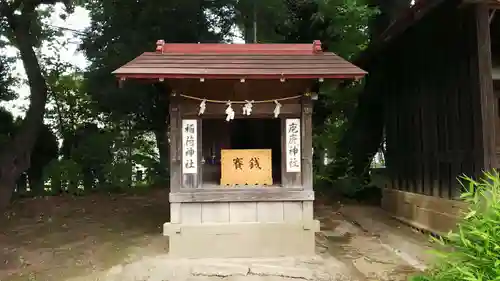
433 106
200 158
440 106
467 130
175 145
440 111
409 129
191 213
486 94
419 60
455 122
215 212
425 112
390 124
270 212
285 182
403 125
243 211
306 141
417 114
385 95
292 211
307 210
175 212
469 95
412 131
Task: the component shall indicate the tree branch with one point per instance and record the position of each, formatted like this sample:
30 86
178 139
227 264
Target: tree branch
6 8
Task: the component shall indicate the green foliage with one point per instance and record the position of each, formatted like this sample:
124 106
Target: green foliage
119 175
347 21
7 80
69 106
122 30
475 245
335 108
109 133
64 175
105 146
7 126
342 27
345 183
22 26
45 150
264 14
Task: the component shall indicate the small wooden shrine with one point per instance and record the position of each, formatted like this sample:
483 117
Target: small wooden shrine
240 143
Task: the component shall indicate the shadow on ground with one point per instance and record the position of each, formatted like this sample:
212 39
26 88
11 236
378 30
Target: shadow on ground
53 238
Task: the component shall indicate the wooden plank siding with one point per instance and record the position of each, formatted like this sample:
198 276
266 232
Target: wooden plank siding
175 144
437 106
440 113
237 212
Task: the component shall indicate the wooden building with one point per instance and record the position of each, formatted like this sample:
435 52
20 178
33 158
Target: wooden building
432 70
240 144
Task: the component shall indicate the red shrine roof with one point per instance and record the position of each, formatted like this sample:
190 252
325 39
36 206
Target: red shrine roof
230 61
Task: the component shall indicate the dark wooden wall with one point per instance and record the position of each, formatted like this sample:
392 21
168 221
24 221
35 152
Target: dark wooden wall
435 81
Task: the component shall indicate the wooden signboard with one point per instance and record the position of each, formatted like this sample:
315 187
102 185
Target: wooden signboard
246 167
292 138
189 146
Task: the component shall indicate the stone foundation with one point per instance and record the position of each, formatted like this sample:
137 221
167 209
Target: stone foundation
429 213
241 229
241 240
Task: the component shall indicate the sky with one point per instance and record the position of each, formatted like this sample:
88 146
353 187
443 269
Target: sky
79 20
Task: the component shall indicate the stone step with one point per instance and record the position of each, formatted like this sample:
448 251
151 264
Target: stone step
166 268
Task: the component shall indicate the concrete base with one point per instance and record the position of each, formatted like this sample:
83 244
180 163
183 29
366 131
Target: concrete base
254 269
241 240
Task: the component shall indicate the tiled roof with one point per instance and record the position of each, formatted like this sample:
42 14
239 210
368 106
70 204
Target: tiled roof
252 61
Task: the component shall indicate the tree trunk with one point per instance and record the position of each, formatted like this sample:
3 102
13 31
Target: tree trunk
254 20
162 126
364 134
163 148
367 131
15 157
22 184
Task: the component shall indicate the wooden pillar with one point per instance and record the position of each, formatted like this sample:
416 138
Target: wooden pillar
175 144
306 140
199 157
485 82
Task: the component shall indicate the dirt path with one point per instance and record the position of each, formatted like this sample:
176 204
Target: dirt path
96 237
370 244
59 237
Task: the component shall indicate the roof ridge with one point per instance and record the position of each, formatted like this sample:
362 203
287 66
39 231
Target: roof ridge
253 48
